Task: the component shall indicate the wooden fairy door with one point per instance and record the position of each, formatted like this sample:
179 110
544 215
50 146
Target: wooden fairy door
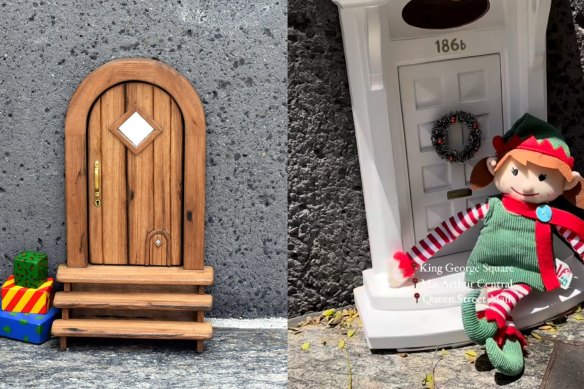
135 174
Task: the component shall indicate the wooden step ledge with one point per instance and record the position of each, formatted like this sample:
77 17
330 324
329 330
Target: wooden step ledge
164 301
134 275
132 329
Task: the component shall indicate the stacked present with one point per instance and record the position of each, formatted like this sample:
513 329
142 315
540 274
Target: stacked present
26 298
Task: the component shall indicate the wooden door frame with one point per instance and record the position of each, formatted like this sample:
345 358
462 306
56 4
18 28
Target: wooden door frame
76 123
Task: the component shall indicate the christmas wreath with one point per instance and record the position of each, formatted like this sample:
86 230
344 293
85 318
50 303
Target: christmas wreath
440 136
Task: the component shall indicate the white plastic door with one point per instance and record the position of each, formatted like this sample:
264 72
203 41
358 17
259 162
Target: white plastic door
428 91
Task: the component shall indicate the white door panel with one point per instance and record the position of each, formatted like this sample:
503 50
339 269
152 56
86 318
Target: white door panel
466 84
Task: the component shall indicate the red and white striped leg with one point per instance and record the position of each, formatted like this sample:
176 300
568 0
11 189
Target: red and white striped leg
501 302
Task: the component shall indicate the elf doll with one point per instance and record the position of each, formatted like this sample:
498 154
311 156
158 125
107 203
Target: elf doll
513 254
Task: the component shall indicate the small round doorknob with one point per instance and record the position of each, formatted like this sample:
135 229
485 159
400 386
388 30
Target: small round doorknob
158 242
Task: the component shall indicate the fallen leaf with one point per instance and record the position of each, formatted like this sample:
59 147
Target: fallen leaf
428 381
336 320
315 320
305 346
328 312
536 335
295 330
403 355
546 327
443 353
578 317
471 356
342 343
350 333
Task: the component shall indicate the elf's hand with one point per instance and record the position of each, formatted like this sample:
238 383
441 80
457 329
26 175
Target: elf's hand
401 268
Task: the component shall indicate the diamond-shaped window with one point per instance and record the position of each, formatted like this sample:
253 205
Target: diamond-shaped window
136 130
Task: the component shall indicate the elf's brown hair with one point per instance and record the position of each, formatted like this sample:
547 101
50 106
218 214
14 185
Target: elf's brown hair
481 176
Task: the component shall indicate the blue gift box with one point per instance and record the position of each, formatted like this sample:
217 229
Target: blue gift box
27 327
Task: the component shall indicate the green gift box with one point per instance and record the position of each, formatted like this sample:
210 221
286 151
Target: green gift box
31 269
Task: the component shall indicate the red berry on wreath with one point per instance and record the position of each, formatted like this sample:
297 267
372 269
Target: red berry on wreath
475 125
440 141
453 119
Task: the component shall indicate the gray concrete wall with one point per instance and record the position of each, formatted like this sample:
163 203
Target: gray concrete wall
233 52
328 246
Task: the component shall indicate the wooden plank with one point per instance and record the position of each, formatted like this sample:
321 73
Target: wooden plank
162 173
164 301
194 204
194 188
132 329
95 214
135 275
76 200
176 184
63 343
200 319
65 312
140 181
201 315
65 316
115 247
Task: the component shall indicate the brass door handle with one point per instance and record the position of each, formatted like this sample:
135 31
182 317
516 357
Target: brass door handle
97 182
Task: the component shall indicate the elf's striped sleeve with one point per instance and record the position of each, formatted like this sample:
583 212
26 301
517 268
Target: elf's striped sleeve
574 240
445 233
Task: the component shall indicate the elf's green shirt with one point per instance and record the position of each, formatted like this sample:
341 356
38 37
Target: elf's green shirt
505 252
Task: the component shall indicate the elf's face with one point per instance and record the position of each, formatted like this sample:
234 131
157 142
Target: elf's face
530 183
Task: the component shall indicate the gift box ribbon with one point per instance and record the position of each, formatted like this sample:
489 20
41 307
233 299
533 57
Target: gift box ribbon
20 299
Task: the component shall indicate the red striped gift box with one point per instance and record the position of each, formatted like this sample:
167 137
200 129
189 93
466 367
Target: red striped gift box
27 300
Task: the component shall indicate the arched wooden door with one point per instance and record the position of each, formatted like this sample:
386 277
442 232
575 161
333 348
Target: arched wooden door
135 168
135 196
135 160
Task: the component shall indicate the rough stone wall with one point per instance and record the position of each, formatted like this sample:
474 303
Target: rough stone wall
328 245
565 77
233 52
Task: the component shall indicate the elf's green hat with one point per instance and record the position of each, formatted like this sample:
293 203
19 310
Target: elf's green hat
534 140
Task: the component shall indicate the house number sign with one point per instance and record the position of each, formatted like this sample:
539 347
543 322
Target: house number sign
446 45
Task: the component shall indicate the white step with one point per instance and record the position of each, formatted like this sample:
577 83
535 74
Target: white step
392 319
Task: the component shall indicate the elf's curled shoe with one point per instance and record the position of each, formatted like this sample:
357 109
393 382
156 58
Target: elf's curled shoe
508 360
478 330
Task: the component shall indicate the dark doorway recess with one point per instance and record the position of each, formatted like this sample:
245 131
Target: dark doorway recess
443 14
